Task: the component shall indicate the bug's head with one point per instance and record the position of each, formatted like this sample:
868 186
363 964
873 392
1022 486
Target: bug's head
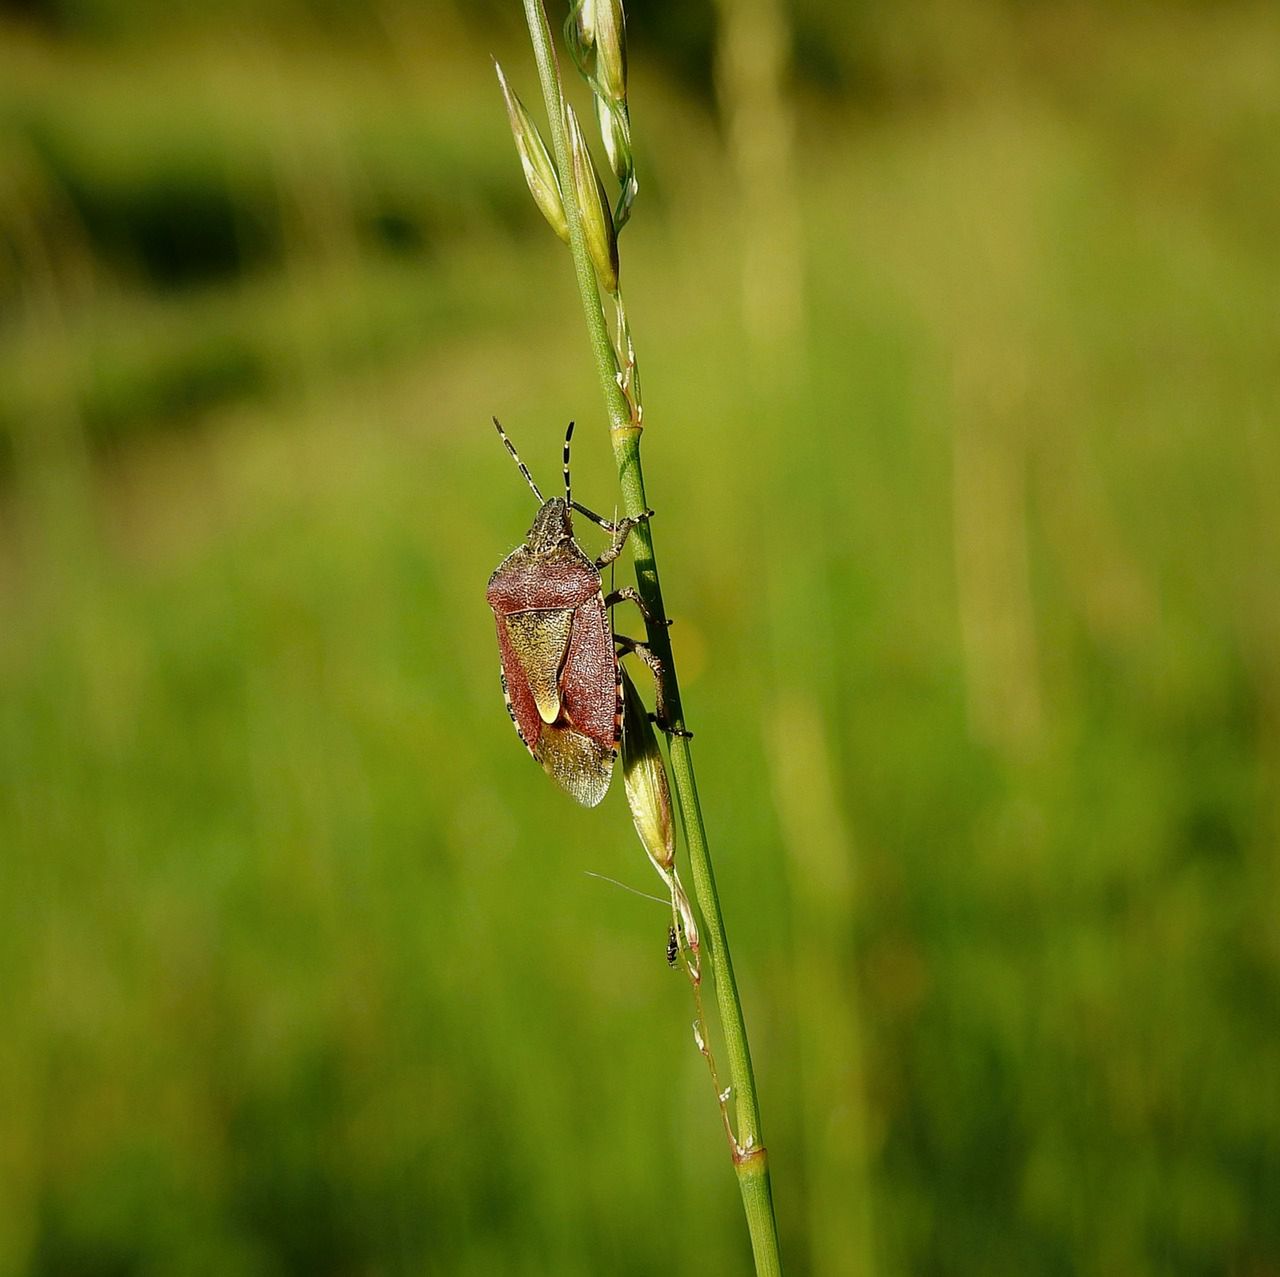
551 527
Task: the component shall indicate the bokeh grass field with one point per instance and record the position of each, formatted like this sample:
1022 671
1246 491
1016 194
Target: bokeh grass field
975 560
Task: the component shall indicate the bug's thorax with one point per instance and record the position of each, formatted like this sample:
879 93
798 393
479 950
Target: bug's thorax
547 570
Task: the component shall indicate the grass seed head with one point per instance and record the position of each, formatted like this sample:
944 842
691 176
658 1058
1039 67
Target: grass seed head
645 778
614 134
593 202
585 19
609 25
535 159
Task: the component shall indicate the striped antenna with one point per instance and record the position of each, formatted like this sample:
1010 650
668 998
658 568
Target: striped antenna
568 435
515 456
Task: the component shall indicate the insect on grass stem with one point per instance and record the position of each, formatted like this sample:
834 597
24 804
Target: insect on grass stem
596 36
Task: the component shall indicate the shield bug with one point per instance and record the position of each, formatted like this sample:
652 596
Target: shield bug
560 672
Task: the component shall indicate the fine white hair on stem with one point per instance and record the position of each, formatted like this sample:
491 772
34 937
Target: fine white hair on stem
635 891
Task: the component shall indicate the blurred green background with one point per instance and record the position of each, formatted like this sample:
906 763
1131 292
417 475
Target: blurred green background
958 330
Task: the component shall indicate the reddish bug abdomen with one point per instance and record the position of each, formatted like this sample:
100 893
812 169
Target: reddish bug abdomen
560 668
589 680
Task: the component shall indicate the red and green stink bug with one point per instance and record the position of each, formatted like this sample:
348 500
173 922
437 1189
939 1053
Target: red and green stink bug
560 673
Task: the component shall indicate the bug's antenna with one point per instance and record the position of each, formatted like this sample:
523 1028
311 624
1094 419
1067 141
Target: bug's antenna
515 456
568 496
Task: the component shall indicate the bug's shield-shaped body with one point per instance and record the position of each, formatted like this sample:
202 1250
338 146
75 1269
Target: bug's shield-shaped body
559 667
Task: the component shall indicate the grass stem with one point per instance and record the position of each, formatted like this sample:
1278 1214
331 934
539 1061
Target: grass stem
750 1158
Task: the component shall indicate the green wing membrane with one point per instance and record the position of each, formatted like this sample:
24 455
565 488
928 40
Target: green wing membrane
541 641
576 763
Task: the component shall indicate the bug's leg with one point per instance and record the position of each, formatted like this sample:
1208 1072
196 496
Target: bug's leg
658 670
670 730
633 596
609 525
620 531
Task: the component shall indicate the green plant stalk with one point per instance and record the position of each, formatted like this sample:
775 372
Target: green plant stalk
750 1159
